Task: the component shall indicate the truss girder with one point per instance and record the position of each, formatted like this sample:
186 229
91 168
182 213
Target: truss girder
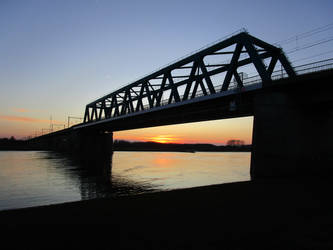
163 86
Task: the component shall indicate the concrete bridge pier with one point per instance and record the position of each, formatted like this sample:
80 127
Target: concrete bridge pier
93 149
292 135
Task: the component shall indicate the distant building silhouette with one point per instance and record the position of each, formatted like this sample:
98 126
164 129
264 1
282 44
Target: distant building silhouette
235 142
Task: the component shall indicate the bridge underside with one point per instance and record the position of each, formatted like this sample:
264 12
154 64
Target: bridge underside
292 130
231 106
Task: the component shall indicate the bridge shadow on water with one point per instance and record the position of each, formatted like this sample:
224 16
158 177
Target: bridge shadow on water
94 177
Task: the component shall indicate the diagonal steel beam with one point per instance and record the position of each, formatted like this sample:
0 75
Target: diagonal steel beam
159 93
174 91
286 65
272 64
190 80
232 67
206 76
257 61
238 79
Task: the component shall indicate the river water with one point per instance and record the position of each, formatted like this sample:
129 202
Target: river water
34 178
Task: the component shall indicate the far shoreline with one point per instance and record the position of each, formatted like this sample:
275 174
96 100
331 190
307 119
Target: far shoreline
19 145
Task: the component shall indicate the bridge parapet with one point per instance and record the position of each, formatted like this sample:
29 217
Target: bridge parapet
212 70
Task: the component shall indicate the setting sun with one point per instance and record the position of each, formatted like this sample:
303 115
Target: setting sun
216 132
164 139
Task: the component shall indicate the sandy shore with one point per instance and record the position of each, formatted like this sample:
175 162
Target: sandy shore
274 214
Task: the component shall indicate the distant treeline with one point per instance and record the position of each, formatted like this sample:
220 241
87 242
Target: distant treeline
12 144
120 145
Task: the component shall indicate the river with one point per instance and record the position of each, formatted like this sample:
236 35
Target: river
34 178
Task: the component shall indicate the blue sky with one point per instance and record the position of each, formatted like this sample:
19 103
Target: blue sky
56 56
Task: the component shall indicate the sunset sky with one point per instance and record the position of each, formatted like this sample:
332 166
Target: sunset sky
57 56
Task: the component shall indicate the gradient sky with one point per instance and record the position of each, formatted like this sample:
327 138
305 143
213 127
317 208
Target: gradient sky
57 56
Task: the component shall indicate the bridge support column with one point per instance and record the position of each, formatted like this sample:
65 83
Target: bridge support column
292 136
92 148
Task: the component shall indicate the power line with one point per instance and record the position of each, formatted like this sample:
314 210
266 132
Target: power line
307 46
306 34
302 36
309 57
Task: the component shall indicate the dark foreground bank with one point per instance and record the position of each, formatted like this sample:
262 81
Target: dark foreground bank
275 214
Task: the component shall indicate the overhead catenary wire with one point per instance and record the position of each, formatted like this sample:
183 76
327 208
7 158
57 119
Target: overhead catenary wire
305 34
299 38
313 56
310 45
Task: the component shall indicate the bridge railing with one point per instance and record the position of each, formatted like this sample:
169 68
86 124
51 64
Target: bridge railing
314 67
300 70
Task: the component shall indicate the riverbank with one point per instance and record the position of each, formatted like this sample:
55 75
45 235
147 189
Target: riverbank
275 214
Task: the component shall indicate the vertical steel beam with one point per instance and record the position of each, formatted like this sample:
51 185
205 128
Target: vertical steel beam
107 113
86 115
115 105
92 114
139 103
130 102
95 112
159 93
150 101
124 104
101 110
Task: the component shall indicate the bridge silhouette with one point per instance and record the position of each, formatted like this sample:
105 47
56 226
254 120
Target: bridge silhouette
195 78
292 107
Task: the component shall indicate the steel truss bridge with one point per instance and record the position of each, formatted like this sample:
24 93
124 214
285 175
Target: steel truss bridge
292 107
194 76
202 86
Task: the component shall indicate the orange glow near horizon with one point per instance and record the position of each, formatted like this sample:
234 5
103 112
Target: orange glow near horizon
216 132
164 139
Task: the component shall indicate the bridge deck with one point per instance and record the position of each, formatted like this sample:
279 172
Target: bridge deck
229 104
